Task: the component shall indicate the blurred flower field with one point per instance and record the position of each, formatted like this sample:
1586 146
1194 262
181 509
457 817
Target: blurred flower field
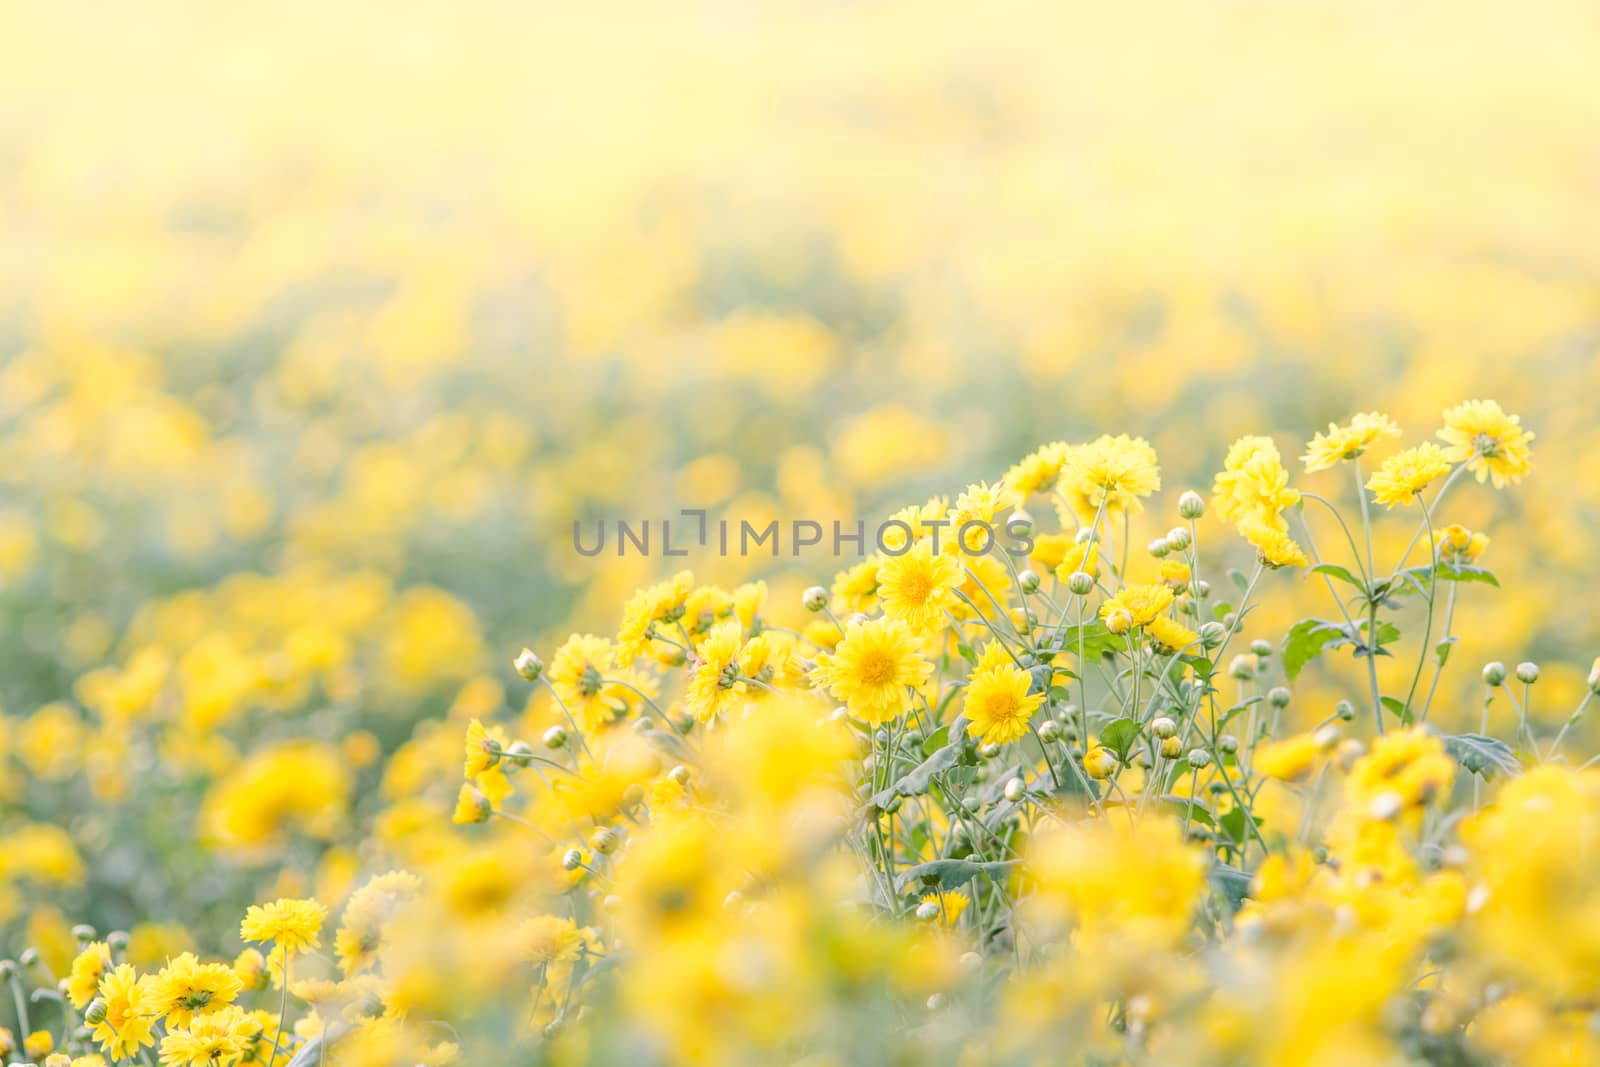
1265 336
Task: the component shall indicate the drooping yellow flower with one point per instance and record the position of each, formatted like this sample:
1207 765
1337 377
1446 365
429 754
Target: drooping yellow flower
484 747
997 704
1113 473
915 587
663 602
1491 443
1170 635
1406 474
129 1019
88 967
472 806
1142 603
291 925
186 988
873 667
1274 548
715 685
1346 442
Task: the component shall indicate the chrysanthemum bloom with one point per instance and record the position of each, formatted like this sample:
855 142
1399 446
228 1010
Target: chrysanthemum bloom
1253 485
292 925
215 1040
1491 443
1289 760
1274 548
1036 472
88 967
1410 765
1174 574
1170 635
952 904
872 668
1406 474
1346 442
484 747
129 1018
715 684
1109 476
186 988
916 587
1141 602
578 674
1457 544
914 522
998 705
663 602
973 517
471 806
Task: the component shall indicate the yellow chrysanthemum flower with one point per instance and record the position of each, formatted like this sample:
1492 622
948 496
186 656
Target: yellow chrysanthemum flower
1142 602
1289 760
1171 635
1457 544
1253 486
873 667
714 684
129 1020
578 673
88 967
1491 443
916 587
291 925
186 988
1274 548
218 1039
997 704
1406 474
1342 443
1115 472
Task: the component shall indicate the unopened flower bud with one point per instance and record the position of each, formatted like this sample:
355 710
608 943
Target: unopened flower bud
1228 743
86 933
1386 805
1120 621
529 665
571 859
1326 738
1527 672
1159 548
1203 587
1278 696
679 774
1494 673
1015 789
815 598
1020 523
1191 505
1178 538
1029 581
517 754
1199 757
1164 726
1100 762
29 957
1212 633
1171 747
1241 668
1261 648
605 841
1594 676
555 737
1345 710
1049 731
928 910
1080 583
95 1013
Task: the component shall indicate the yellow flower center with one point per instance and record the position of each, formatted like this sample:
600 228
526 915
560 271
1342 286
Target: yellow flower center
876 668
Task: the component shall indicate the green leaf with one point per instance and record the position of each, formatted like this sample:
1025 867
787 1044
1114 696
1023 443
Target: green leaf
1333 570
935 741
1482 755
1306 640
1239 579
1096 640
1398 707
1451 572
1233 824
1119 735
1180 806
1442 649
966 653
947 874
917 780
1229 883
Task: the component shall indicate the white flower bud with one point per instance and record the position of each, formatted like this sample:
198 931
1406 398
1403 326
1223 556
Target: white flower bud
1494 673
1242 668
1164 726
1278 696
1527 672
815 598
529 665
928 910
1029 581
1191 505
1159 548
1199 757
571 860
1080 583
1015 789
555 737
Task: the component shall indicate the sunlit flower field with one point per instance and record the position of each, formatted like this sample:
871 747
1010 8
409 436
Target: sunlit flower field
829 534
